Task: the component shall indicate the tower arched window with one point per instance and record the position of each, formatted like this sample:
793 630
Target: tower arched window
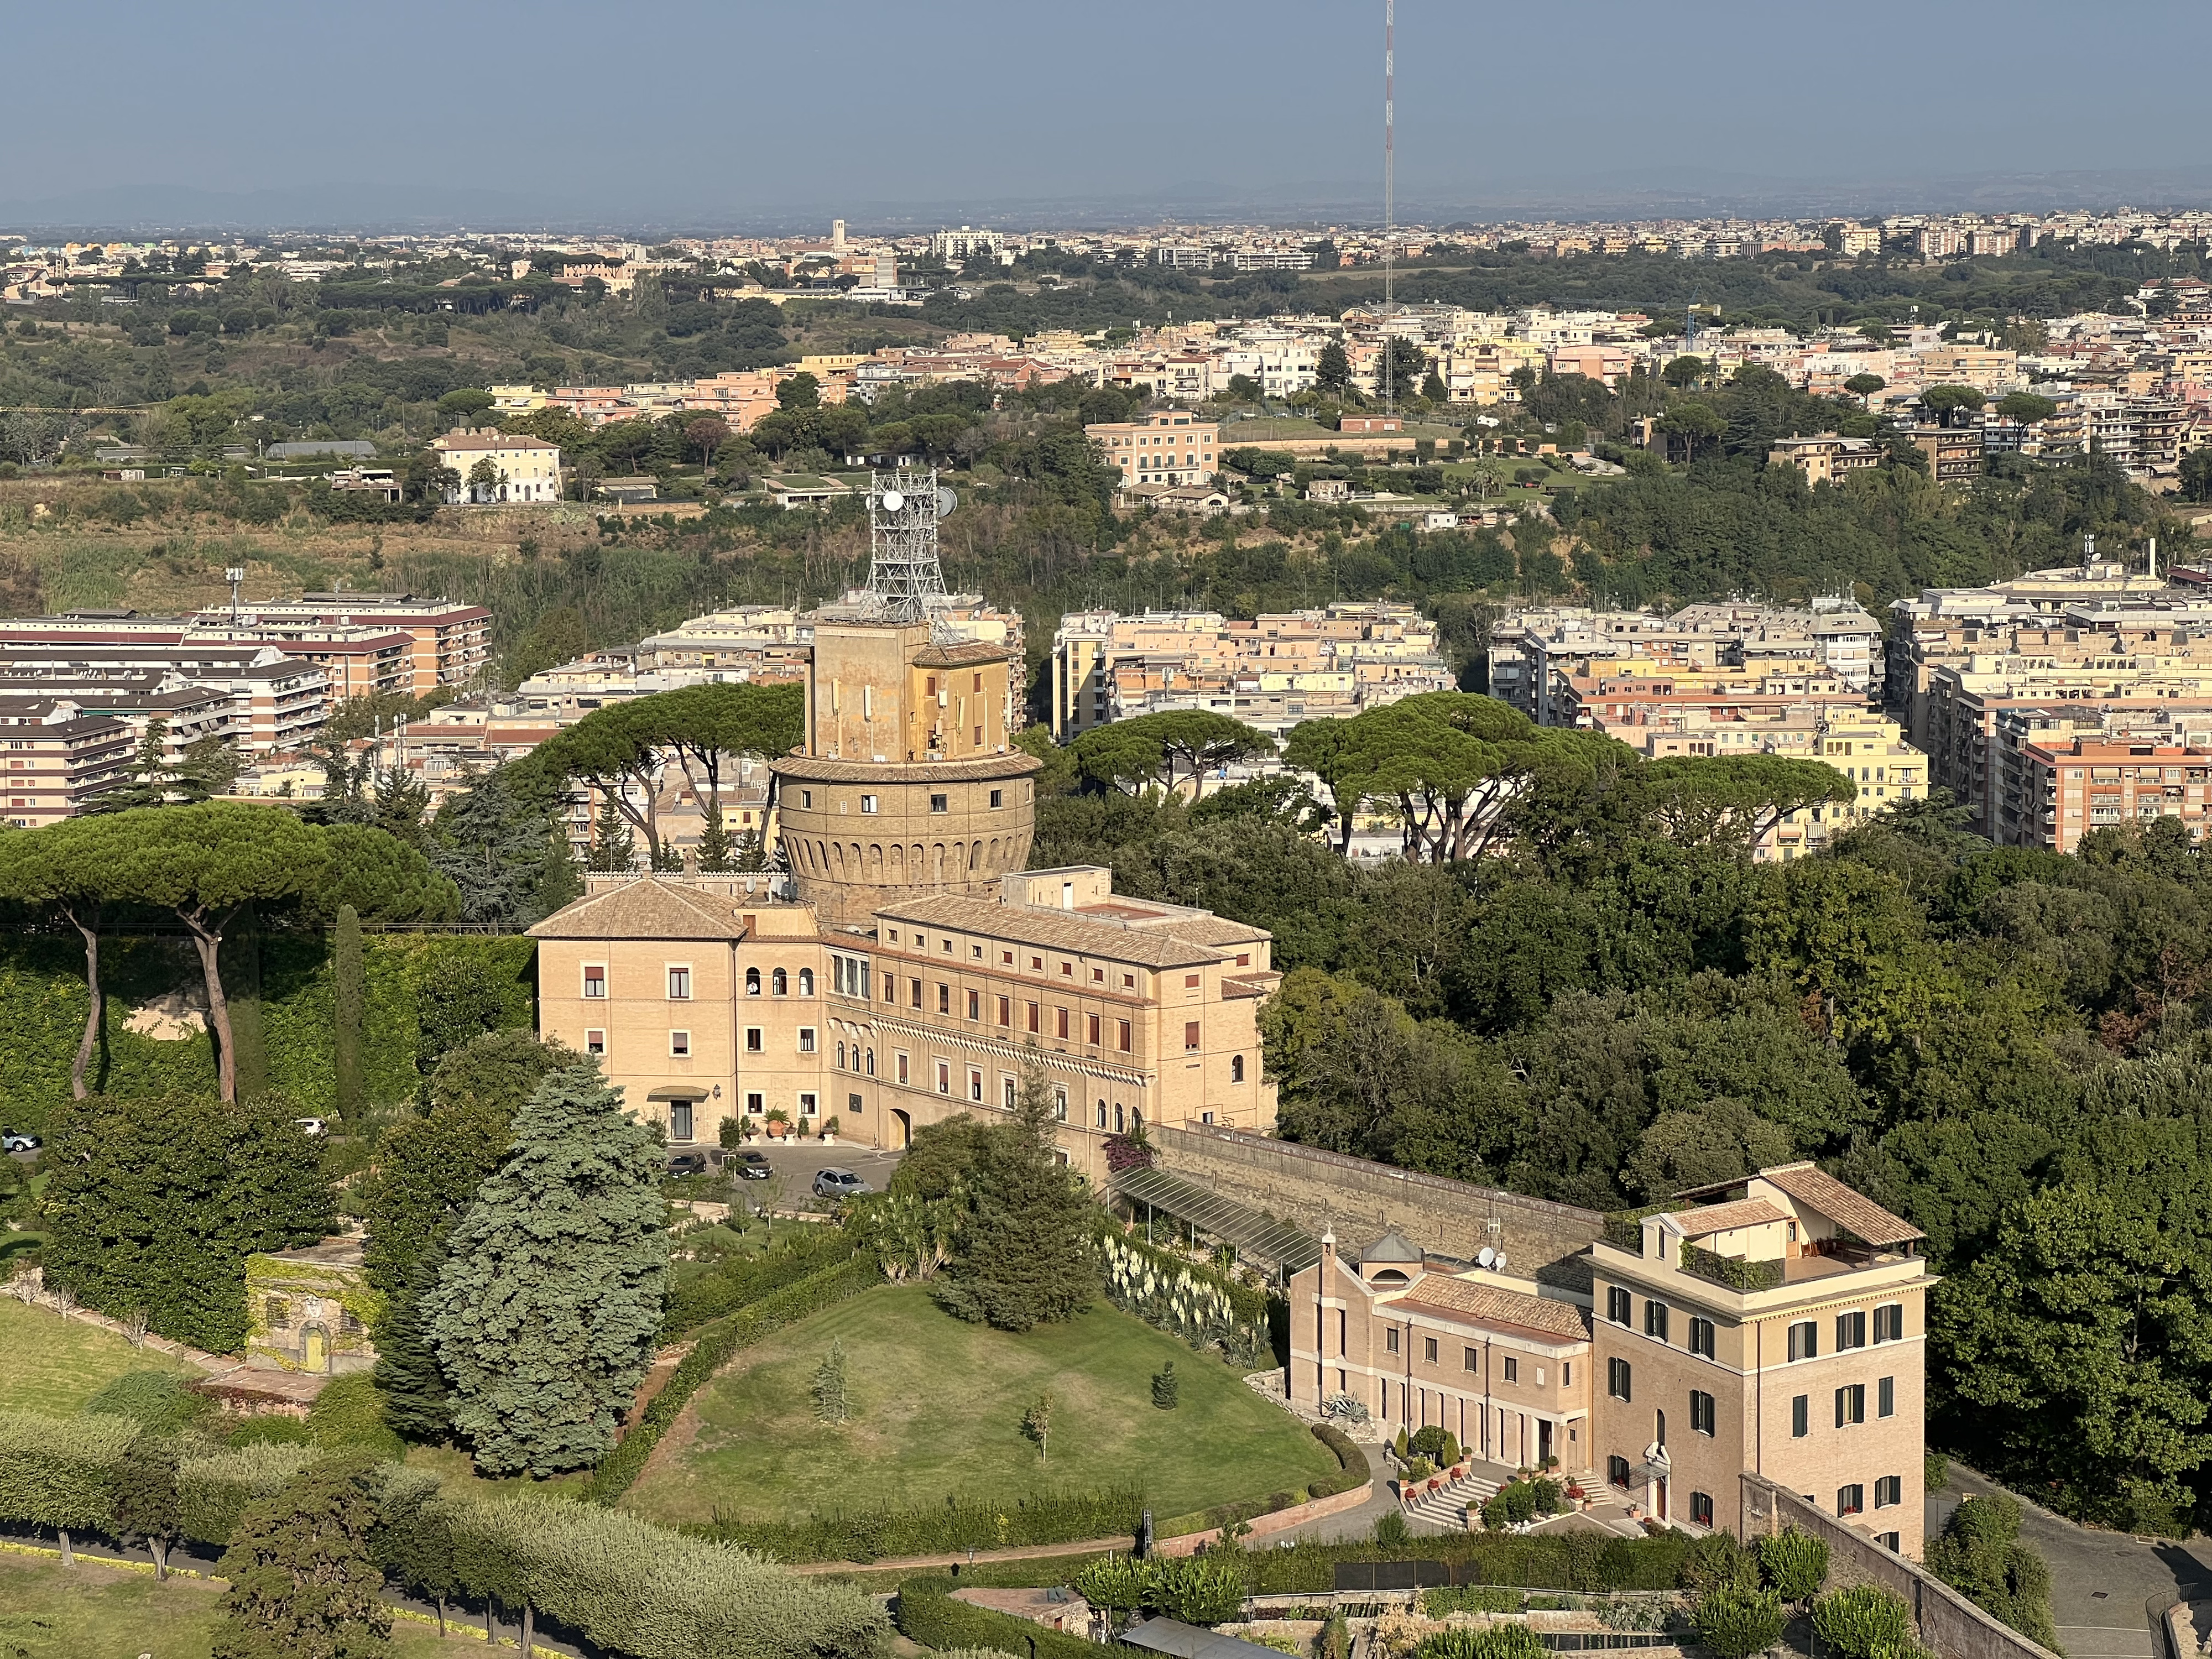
752 981
779 983
872 1062
806 981
1236 1068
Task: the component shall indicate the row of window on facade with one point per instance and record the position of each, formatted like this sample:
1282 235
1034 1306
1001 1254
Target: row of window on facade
1852 1327
679 982
1470 1358
1850 1498
1850 1403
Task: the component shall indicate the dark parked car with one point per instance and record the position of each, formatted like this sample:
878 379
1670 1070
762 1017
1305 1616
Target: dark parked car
688 1164
752 1165
839 1184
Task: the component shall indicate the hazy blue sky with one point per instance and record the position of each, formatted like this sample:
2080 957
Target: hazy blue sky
722 110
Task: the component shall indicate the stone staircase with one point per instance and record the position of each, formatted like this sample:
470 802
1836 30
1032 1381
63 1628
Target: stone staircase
1447 1508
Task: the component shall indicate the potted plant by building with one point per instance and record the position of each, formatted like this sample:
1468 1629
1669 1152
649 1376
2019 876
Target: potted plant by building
829 1130
779 1124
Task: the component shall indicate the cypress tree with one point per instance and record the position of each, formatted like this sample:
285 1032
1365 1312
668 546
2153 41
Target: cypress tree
415 1402
548 1307
1023 1256
352 985
302 1579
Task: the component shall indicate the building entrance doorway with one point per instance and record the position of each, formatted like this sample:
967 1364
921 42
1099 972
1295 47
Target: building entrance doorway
901 1130
1543 1442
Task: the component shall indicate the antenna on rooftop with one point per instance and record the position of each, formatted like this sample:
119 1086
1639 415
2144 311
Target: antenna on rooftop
236 577
1389 200
906 583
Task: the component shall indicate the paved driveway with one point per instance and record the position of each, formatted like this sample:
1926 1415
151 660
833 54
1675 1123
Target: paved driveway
797 1160
2106 1588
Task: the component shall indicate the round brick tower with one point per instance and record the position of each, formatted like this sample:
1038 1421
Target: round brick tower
909 783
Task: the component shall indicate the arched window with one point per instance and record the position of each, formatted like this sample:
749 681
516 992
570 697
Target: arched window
872 1062
841 1056
1119 1122
752 981
1101 1113
806 981
779 983
1236 1068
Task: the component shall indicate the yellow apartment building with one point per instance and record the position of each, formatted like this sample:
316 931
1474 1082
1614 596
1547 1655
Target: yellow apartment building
1169 447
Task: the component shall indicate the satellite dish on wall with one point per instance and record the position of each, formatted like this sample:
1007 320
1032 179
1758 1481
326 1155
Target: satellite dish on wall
1500 1263
893 501
1488 1256
947 500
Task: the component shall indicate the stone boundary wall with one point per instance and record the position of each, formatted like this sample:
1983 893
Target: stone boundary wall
1360 1200
1297 1515
1951 1626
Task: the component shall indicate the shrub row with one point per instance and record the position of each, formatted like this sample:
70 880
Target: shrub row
1568 1561
958 1523
743 1280
926 1615
1352 1469
625 1586
716 1346
622 1585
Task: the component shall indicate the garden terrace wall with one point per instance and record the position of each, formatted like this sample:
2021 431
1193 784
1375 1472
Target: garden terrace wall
1265 1525
1360 1201
1951 1626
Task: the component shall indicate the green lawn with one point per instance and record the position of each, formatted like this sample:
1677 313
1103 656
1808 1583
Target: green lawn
937 1409
54 1365
86 1612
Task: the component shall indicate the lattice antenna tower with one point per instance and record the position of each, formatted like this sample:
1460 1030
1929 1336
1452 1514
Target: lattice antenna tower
1389 201
905 582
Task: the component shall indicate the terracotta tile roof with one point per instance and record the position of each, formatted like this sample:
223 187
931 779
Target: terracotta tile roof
1056 930
1721 1218
1466 1298
646 909
1205 928
1856 1213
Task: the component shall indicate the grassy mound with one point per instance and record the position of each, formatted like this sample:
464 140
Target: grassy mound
936 1408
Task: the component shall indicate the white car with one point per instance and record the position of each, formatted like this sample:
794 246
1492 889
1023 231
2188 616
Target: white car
313 1126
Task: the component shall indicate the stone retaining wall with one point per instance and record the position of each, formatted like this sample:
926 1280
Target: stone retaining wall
1360 1200
1951 1626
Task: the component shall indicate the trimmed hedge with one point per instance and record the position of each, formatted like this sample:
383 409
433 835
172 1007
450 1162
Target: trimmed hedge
743 1280
1570 1561
626 1586
958 1523
1351 1466
717 1345
213 1491
926 1615
61 1472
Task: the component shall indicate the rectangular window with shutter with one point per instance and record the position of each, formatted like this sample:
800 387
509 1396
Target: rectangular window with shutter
1617 1304
1618 1379
1805 1340
1851 1330
1127 1037
1800 1416
1886 1397
1655 1320
1190 1036
1703 1415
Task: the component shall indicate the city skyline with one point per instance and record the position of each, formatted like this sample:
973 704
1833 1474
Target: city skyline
764 122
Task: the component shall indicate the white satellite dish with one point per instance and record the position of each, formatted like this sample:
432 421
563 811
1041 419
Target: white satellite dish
1488 1256
893 501
947 500
1500 1263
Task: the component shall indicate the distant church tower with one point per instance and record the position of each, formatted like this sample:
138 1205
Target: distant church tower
909 784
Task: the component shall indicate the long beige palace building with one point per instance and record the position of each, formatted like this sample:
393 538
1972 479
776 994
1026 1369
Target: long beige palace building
917 967
1780 1328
